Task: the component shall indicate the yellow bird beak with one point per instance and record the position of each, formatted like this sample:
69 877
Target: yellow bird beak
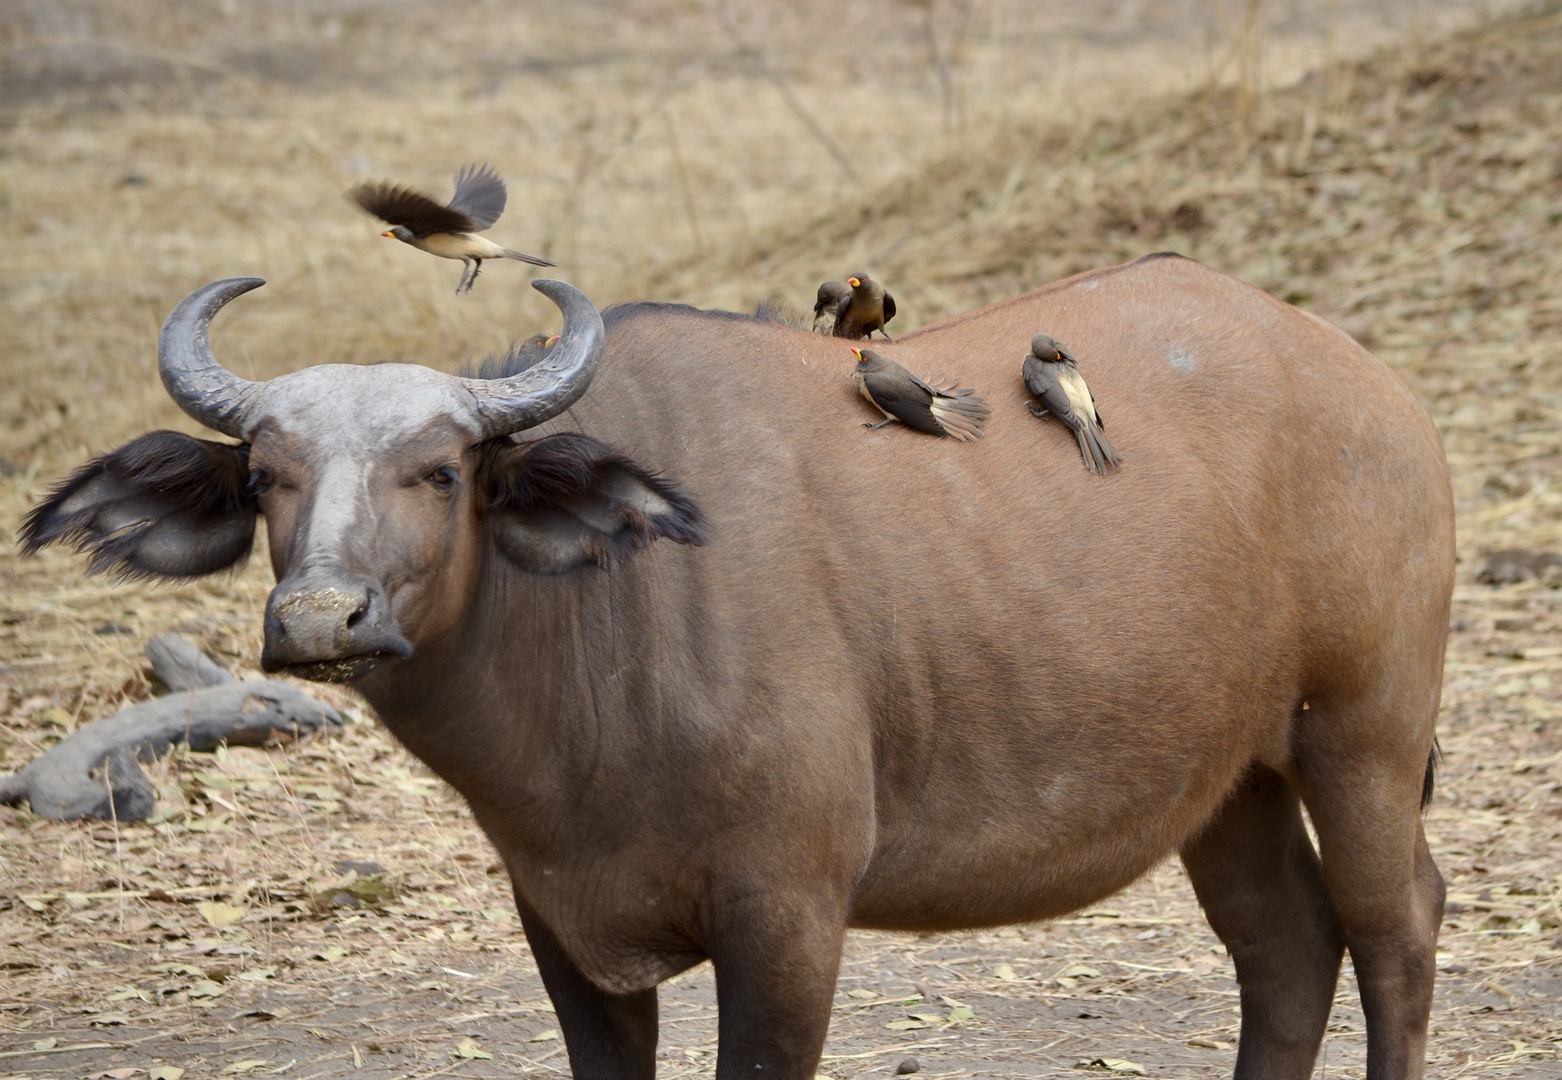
853 282
389 234
857 352
554 340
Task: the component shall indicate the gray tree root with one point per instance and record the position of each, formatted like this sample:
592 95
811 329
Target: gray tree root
95 771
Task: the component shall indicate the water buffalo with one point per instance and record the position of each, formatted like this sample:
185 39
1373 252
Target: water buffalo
722 674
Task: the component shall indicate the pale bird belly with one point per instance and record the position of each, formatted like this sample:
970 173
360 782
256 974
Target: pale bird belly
460 246
1078 396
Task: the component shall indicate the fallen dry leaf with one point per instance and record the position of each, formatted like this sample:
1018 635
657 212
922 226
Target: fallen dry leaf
220 913
468 1048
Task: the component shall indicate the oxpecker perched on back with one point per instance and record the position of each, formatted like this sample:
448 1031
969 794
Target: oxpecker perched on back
827 305
900 395
447 231
866 309
1052 374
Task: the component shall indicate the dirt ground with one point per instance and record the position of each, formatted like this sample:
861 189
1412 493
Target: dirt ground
1413 196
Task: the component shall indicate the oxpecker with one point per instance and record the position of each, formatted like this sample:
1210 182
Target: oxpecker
521 356
865 310
1052 374
827 304
900 395
447 231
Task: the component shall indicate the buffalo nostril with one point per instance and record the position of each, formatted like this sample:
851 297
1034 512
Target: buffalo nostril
357 616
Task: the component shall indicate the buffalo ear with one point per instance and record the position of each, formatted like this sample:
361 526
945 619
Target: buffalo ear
567 500
162 506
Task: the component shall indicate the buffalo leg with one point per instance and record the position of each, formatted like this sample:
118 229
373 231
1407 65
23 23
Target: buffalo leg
608 1036
1261 888
775 985
1363 789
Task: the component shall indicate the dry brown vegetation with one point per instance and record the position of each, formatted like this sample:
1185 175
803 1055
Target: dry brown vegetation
962 150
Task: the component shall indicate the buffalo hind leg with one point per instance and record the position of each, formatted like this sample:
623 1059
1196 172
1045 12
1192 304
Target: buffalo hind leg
1364 791
775 985
608 1036
1261 887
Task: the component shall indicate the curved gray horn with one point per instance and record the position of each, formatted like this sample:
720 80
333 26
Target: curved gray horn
202 387
554 383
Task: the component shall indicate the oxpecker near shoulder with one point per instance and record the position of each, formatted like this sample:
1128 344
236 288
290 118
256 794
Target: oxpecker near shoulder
1052 374
938 410
448 231
522 356
866 309
827 304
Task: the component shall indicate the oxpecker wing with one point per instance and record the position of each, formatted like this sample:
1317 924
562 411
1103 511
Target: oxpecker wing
1052 374
447 231
900 395
414 211
480 195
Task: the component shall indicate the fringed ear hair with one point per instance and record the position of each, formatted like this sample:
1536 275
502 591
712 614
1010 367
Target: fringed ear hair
567 500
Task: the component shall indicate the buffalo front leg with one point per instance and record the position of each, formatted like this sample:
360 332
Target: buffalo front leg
608 1036
1261 888
775 985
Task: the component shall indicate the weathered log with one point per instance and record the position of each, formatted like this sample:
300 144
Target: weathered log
94 772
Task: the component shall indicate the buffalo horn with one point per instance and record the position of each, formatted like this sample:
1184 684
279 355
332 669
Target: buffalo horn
194 379
554 384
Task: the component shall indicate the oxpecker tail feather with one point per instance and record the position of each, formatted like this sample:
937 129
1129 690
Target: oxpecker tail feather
961 414
1087 449
1099 455
1104 452
523 257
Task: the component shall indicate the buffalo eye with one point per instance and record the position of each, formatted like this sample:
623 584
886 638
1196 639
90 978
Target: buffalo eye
261 482
444 479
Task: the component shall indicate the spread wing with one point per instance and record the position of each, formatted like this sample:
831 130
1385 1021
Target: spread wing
905 397
480 195
419 213
1043 382
960 411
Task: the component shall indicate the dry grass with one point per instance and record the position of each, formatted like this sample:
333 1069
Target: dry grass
1415 198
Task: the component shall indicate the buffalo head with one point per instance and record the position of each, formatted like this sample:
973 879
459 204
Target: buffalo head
387 489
